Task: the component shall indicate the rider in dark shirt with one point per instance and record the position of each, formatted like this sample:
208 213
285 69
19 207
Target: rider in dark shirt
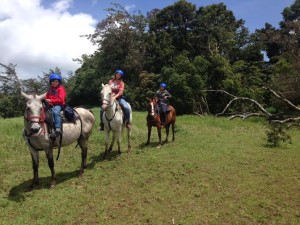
163 96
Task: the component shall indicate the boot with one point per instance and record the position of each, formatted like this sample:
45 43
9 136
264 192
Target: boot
57 132
128 125
101 127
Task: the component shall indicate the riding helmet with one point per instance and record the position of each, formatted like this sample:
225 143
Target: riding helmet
120 72
55 76
164 85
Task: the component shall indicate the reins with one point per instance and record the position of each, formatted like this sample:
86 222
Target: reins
107 102
41 119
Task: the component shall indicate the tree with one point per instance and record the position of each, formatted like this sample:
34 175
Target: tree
216 31
10 90
120 38
283 48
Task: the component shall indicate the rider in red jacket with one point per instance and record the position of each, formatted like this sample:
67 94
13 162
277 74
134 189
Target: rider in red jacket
55 97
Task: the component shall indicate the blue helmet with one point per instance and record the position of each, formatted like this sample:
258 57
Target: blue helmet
55 76
164 85
120 72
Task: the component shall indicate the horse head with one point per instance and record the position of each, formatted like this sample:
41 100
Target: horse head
106 97
34 114
152 106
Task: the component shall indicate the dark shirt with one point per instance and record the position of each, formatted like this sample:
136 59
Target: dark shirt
161 96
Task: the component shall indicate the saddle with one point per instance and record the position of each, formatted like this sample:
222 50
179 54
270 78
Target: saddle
119 107
68 115
159 110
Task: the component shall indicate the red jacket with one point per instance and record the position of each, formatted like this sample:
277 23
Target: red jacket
56 95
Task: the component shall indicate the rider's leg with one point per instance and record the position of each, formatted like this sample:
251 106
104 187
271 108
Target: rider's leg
57 118
101 127
125 108
163 114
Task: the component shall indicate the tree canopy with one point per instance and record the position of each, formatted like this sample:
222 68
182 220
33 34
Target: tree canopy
192 49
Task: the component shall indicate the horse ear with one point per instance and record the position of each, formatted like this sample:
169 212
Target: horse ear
102 85
25 95
42 96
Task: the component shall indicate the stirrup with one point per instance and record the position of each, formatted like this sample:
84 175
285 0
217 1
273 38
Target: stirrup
128 125
101 127
57 132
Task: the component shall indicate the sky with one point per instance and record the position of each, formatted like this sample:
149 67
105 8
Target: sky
39 35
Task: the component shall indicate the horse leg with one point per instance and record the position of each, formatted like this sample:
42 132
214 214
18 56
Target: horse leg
167 133
119 136
149 134
49 154
83 145
35 167
173 132
128 139
106 144
112 142
159 137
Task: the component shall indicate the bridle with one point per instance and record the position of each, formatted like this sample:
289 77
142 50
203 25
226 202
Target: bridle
153 110
40 119
107 102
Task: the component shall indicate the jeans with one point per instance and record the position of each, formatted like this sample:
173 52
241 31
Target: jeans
56 115
163 107
163 112
125 108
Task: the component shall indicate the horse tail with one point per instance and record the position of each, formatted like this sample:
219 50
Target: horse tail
80 126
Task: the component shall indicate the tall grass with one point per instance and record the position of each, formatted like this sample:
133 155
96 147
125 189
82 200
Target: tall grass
216 172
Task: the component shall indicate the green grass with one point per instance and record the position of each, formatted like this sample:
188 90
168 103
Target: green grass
216 172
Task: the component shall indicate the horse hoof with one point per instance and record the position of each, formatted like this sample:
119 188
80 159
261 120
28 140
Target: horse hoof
31 187
53 184
159 146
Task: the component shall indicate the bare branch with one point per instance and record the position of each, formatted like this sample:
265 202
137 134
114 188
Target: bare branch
288 120
235 98
247 115
198 114
222 91
282 98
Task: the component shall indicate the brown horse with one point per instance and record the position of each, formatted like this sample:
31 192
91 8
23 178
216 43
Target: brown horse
153 120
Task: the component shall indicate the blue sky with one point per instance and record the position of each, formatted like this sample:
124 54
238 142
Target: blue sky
255 12
39 35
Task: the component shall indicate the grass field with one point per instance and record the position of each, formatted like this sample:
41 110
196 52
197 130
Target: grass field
216 172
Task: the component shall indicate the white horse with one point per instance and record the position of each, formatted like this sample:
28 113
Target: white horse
113 120
36 135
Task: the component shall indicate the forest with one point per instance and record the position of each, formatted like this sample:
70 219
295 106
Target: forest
200 52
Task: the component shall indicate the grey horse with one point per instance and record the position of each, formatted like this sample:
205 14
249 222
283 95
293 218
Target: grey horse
113 120
36 135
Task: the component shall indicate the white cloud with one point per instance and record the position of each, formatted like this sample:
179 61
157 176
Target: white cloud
130 7
38 39
62 5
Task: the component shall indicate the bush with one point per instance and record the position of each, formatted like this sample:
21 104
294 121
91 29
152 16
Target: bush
277 134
